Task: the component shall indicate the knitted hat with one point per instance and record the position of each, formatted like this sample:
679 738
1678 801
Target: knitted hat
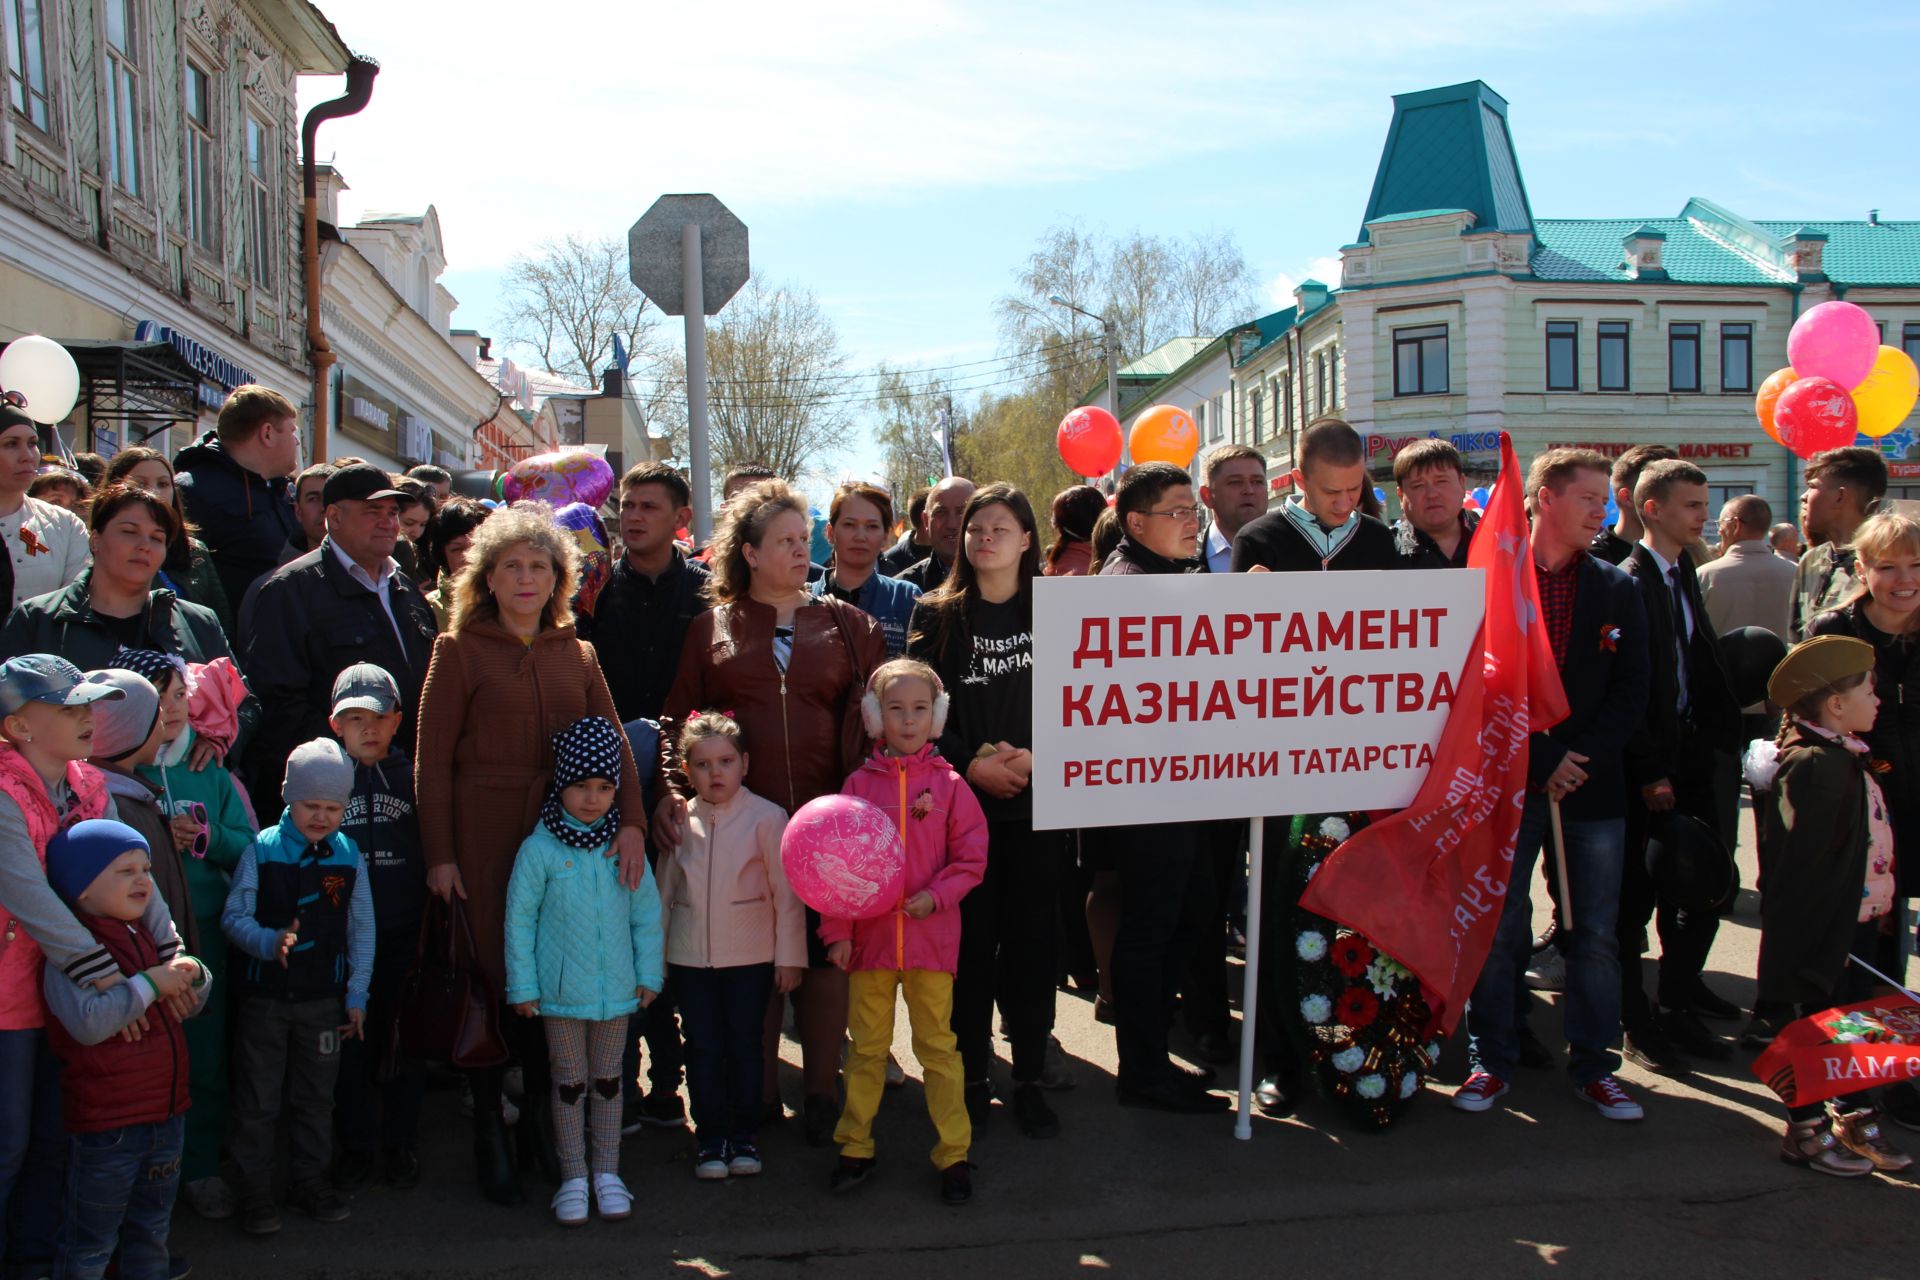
318 770
587 748
77 856
1816 666
120 727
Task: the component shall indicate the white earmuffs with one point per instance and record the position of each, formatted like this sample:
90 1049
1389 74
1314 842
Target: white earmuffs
870 709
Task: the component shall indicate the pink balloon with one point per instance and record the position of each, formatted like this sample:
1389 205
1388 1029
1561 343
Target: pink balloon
1815 414
561 477
844 858
1836 341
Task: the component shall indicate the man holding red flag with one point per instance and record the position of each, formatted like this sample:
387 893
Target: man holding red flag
1596 628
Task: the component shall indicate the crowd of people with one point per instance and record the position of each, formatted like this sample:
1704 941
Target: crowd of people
273 735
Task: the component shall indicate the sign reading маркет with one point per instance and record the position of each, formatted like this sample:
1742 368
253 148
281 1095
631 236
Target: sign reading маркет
1184 697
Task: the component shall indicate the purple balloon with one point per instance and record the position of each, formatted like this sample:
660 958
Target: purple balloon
560 477
1836 341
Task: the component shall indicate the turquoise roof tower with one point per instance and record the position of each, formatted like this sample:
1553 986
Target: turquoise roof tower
1450 149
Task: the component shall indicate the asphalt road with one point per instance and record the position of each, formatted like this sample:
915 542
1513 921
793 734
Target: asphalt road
1540 1186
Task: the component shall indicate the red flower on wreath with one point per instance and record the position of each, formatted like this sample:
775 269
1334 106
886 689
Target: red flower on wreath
1356 1008
1351 955
1610 638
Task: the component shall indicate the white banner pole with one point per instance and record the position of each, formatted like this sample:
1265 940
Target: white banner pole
1250 984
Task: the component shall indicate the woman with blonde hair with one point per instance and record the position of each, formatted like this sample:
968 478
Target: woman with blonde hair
790 668
508 675
1885 612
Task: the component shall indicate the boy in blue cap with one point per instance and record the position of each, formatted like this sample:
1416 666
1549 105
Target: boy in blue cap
123 1059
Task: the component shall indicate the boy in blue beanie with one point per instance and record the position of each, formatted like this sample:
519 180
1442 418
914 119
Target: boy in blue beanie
123 1059
300 914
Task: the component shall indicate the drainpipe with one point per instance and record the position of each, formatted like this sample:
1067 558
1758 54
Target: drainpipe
360 73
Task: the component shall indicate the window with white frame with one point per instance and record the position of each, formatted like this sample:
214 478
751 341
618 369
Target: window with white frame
202 218
259 207
1683 357
1563 355
1613 355
1910 341
1736 357
1219 416
1333 375
124 117
1200 420
27 63
1285 393
1253 413
1420 361
1320 382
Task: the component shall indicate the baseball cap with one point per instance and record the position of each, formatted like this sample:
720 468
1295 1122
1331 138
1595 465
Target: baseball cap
365 685
46 677
358 482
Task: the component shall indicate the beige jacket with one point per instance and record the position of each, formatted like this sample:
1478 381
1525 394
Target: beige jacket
724 894
1749 586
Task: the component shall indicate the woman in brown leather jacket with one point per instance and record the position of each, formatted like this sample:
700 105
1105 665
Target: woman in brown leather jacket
790 670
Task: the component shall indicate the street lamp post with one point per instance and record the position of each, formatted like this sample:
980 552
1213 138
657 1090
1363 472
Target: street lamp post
1112 345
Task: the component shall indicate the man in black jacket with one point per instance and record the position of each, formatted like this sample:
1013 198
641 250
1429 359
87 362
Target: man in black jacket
344 602
1616 542
641 618
946 506
1435 530
913 546
1321 525
1166 881
1690 721
234 483
1597 629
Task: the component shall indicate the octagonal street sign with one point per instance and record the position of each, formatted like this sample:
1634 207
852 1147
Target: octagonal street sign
653 252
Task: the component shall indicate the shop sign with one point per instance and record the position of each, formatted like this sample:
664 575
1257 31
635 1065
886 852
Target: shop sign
1691 450
1467 442
364 410
206 362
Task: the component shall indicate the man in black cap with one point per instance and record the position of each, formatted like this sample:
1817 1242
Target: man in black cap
344 602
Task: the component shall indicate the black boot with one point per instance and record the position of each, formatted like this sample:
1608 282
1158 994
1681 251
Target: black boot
535 1137
493 1159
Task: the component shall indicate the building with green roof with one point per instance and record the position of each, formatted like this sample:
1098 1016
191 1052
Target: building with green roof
1461 314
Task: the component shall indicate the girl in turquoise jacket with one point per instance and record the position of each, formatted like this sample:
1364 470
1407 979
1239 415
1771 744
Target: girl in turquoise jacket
583 953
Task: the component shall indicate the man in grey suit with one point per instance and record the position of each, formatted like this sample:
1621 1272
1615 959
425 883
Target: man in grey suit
1746 586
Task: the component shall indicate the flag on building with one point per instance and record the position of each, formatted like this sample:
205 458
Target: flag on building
1426 885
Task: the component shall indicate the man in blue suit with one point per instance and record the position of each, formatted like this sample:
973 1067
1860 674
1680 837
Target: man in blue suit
1598 630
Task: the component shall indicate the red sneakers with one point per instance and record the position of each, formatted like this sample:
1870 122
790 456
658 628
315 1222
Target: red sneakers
1479 1092
1611 1099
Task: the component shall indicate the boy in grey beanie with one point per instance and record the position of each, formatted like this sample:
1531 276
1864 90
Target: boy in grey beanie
300 913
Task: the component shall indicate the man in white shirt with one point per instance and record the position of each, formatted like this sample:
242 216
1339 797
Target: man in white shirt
1234 491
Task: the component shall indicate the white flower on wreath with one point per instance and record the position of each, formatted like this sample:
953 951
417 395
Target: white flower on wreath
1348 1060
1335 828
1384 974
1371 1085
1310 945
1316 1009
1409 1084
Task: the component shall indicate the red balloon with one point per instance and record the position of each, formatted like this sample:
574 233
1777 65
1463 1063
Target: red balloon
1815 414
1089 441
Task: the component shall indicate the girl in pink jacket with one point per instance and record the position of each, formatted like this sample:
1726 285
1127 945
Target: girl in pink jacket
916 946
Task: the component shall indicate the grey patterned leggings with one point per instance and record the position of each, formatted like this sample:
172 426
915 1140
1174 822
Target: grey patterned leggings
585 1057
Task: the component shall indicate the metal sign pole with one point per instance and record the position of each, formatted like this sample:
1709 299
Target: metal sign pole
699 476
1250 985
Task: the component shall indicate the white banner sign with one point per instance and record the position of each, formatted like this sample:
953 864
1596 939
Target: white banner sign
1184 697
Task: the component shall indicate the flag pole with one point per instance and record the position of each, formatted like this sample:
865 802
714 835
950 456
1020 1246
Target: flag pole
1250 981
1560 863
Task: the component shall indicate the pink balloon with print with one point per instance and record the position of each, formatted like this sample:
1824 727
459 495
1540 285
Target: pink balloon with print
844 858
1836 341
560 477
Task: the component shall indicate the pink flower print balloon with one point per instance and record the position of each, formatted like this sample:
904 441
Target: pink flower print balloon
843 858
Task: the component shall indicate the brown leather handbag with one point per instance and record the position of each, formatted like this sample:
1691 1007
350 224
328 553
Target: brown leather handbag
449 1011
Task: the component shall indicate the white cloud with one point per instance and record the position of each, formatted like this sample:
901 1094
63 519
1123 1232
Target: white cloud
1325 269
523 123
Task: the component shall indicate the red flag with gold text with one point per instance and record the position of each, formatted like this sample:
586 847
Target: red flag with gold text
1427 884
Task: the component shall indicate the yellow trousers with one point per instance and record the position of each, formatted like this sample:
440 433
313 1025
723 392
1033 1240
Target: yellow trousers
870 1006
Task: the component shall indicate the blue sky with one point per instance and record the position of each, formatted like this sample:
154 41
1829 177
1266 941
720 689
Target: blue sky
899 159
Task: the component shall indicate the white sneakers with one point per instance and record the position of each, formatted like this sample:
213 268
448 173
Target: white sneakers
610 1196
1548 972
570 1203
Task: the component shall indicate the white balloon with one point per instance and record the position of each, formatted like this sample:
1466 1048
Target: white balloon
41 370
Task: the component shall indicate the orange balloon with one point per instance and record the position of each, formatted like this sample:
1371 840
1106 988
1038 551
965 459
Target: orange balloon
1777 381
1164 434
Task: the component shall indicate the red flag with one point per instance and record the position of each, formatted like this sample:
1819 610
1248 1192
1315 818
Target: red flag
1843 1050
1426 885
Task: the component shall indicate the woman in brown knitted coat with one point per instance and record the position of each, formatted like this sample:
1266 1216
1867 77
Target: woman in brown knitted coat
508 675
